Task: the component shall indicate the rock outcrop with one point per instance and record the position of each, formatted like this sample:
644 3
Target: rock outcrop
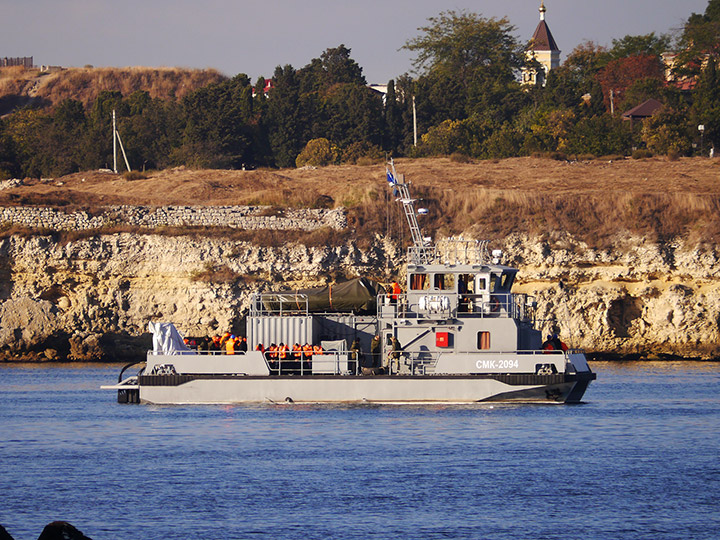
91 299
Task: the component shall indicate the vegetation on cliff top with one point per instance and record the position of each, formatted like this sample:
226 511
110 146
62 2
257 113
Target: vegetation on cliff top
466 93
596 200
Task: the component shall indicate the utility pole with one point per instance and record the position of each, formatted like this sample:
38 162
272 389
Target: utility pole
114 145
414 124
117 139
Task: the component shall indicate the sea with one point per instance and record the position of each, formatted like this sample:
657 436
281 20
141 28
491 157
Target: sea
640 458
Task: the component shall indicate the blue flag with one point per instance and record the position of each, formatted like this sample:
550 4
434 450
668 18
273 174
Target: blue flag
390 177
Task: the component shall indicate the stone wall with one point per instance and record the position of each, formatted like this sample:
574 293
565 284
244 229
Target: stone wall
237 217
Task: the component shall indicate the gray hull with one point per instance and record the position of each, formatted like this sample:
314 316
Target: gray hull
188 389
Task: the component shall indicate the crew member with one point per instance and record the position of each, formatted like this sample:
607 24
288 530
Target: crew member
375 346
230 345
394 358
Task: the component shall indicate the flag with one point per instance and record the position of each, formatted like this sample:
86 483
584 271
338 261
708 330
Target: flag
390 178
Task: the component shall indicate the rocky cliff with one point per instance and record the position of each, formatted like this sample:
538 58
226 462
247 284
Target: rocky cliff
91 299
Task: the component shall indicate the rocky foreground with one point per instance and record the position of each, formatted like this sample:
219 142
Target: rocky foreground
91 299
57 530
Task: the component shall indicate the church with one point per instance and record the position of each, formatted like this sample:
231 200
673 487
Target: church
544 50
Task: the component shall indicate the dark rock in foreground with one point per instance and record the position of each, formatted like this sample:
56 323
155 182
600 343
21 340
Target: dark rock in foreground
61 530
4 535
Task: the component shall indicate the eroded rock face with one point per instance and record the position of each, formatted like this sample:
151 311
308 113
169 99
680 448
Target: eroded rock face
92 299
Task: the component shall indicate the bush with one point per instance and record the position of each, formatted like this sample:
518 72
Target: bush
362 150
134 175
317 153
673 154
642 153
459 157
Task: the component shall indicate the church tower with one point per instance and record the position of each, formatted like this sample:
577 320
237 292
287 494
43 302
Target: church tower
542 48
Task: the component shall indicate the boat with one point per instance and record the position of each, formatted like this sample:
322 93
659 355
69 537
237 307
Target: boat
456 333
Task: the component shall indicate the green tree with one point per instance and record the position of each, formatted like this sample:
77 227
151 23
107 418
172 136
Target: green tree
705 108
393 119
700 40
600 135
468 66
218 130
464 45
285 121
648 44
668 130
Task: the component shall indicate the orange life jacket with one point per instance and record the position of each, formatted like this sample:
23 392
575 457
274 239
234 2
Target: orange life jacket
396 290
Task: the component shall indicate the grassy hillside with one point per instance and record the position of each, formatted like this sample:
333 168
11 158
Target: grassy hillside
19 86
597 201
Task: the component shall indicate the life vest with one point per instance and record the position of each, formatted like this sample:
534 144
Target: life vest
283 351
230 346
396 290
317 349
297 351
308 350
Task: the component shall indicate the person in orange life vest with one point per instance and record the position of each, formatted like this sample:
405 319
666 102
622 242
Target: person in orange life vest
224 338
396 290
273 352
308 350
260 347
242 344
317 349
216 343
230 345
297 351
283 350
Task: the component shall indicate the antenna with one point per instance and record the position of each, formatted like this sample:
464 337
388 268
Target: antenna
117 139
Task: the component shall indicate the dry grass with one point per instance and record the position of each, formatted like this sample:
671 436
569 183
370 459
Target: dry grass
594 200
84 84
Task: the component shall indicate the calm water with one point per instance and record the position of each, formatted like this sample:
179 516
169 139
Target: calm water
641 459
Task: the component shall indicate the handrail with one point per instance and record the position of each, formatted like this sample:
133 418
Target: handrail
128 366
430 304
332 362
279 303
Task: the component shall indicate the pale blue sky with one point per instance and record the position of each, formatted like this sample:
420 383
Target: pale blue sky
253 37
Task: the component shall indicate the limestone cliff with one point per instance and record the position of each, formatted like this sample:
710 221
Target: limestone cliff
92 298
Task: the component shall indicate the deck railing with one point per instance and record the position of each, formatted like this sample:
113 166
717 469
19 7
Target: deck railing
435 304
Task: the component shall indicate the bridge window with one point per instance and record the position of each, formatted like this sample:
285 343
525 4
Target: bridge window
419 282
466 284
444 282
483 341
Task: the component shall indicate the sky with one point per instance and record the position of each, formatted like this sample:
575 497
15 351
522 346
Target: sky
253 37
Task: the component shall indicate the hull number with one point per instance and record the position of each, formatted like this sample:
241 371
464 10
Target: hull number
497 364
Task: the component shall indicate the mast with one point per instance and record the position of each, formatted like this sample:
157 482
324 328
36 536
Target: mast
422 250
